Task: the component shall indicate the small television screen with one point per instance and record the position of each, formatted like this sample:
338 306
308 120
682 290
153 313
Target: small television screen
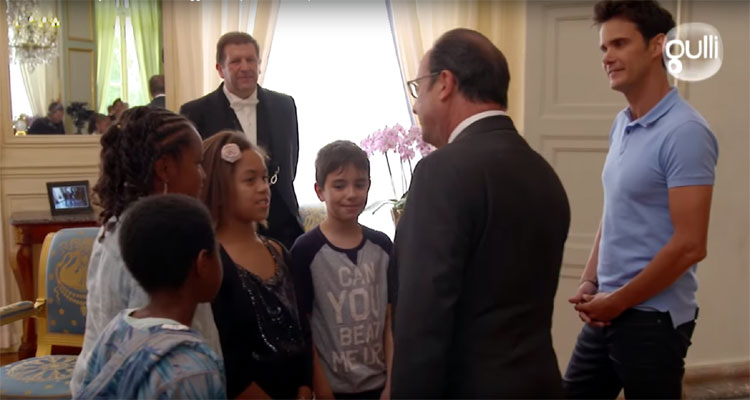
69 197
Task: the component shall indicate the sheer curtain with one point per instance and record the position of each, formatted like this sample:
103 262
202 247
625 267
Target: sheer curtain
145 17
106 14
42 83
36 89
191 30
417 24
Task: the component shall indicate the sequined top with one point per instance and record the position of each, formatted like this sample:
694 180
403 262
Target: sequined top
264 336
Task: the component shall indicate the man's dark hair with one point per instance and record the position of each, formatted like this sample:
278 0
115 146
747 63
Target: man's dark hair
336 155
160 239
479 67
95 117
55 106
234 38
650 18
156 85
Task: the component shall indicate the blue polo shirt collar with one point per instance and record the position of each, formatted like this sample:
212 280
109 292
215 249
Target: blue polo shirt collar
658 111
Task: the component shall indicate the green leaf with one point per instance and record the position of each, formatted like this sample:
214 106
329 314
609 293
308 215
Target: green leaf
379 204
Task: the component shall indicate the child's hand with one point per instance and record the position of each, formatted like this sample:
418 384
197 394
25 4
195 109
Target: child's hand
304 393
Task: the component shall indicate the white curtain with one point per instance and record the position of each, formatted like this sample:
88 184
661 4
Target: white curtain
36 89
417 24
43 82
191 30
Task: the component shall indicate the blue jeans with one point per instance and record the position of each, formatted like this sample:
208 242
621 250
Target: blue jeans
640 351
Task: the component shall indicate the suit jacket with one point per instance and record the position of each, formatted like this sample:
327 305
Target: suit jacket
277 134
159 101
43 126
478 252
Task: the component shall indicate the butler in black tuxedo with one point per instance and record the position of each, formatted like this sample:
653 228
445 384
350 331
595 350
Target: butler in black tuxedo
268 119
479 246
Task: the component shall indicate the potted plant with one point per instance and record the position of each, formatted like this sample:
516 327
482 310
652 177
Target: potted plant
405 144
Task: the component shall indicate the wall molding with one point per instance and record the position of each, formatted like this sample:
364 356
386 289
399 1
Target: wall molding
717 381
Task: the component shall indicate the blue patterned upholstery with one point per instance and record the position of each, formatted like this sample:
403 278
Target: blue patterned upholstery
45 377
67 266
312 215
62 283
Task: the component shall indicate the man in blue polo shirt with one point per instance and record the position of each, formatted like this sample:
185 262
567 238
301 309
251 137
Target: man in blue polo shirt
637 292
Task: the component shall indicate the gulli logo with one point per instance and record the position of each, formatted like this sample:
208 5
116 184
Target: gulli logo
693 52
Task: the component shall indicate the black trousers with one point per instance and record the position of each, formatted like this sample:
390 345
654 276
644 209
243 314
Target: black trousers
641 351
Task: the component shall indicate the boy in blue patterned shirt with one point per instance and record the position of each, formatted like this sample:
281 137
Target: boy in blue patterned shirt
168 244
341 268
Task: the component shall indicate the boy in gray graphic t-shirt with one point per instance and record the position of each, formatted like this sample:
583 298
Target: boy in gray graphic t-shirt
341 272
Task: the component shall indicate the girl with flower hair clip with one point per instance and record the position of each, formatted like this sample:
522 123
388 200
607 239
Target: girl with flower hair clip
265 337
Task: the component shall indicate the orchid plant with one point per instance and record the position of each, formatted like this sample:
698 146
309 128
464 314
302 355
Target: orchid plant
403 143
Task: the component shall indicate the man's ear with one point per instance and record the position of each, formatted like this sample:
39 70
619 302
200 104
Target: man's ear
220 70
319 192
656 45
447 82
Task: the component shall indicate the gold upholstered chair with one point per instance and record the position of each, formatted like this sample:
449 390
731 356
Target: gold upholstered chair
60 312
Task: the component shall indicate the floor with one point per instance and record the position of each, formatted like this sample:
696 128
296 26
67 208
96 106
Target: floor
735 388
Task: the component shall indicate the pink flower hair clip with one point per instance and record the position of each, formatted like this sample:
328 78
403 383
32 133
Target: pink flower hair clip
230 153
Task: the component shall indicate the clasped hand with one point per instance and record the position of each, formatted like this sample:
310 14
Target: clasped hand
595 308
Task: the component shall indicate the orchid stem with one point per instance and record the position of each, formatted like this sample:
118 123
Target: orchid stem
388 163
403 176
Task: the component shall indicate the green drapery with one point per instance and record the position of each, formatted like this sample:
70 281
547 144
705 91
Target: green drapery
106 14
145 15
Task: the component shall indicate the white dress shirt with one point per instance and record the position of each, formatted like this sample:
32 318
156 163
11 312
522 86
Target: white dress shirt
247 113
474 118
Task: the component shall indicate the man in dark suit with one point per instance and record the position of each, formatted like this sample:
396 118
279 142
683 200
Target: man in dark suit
268 119
52 124
156 89
479 246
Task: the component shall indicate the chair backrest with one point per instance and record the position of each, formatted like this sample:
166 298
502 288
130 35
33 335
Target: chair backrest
63 269
312 215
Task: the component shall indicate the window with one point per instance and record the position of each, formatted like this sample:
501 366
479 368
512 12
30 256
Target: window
127 86
338 60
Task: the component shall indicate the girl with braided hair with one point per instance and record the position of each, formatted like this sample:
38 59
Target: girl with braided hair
150 151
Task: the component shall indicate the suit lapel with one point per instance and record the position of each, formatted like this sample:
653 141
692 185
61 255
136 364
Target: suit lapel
263 120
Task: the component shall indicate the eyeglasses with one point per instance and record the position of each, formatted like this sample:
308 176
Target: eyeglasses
414 85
